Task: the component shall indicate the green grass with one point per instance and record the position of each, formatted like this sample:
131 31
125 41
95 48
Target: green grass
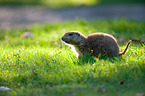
44 66
68 3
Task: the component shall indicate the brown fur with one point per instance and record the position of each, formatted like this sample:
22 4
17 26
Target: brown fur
94 44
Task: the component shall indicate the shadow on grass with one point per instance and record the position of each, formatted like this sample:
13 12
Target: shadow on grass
31 80
92 59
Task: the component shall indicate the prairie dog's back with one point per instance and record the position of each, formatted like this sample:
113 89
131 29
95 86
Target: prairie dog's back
102 38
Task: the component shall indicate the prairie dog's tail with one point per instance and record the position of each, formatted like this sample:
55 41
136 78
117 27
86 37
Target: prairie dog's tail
125 50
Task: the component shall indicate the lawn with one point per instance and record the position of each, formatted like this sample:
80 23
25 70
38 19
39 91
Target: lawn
44 66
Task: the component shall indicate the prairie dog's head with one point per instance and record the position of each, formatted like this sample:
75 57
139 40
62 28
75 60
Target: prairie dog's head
72 37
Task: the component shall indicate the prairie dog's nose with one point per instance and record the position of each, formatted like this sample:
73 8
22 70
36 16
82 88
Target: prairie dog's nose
62 38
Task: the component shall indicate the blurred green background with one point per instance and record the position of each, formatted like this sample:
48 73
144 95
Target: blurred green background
68 3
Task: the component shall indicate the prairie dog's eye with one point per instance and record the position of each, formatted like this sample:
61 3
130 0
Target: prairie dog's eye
70 34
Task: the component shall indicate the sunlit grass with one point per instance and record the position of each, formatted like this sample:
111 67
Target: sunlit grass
43 65
66 3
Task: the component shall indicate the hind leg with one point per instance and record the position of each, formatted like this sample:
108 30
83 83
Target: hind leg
112 52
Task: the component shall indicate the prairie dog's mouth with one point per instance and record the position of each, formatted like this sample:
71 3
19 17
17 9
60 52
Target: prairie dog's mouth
65 40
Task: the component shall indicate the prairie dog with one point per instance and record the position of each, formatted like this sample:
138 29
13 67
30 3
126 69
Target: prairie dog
93 44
